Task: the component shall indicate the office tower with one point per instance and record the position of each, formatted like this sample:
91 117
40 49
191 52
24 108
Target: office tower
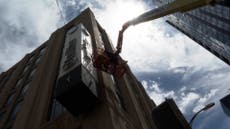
57 87
209 26
225 103
168 116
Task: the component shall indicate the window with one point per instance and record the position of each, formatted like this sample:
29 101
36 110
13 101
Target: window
13 71
19 82
37 61
3 77
25 69
3 81
13 114
24 90
42 51
31 59
7 77
10 99
31 74
57 109
2 115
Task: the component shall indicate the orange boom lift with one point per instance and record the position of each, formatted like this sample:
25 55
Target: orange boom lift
112 63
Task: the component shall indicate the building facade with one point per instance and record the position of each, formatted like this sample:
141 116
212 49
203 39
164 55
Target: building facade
209 26
30 90
57 87
225 103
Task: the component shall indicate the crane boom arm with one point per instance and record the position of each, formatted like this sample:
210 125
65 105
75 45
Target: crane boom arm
112 62
170 8
173 7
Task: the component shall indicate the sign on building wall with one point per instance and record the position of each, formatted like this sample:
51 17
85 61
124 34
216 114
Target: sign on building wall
76 82
77 50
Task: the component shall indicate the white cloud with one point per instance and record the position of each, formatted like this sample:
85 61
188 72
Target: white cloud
24 25
157 94
205 99
187 101
152 46
182 89
39 17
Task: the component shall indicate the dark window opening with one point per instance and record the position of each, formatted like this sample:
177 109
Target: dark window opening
13 115
3 82
37 61
31 59
25 69
31 75
24 90
9 99
19 82
2 115
56 110
42 51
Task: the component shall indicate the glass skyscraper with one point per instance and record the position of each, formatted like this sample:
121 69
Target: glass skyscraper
225 103
209 26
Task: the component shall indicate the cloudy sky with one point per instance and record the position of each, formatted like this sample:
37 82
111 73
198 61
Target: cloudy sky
168 63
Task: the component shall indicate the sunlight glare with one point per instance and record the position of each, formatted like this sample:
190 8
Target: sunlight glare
117 13
148 46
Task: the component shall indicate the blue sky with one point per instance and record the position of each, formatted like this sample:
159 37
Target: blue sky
168 63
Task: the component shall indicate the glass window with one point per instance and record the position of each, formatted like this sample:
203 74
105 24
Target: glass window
19 82
7 77
3 76
25 69
37 61
15 110
24 90
3 81
13 115
10 99
14 71
32 74
2 115
57 109
31 59
42 51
